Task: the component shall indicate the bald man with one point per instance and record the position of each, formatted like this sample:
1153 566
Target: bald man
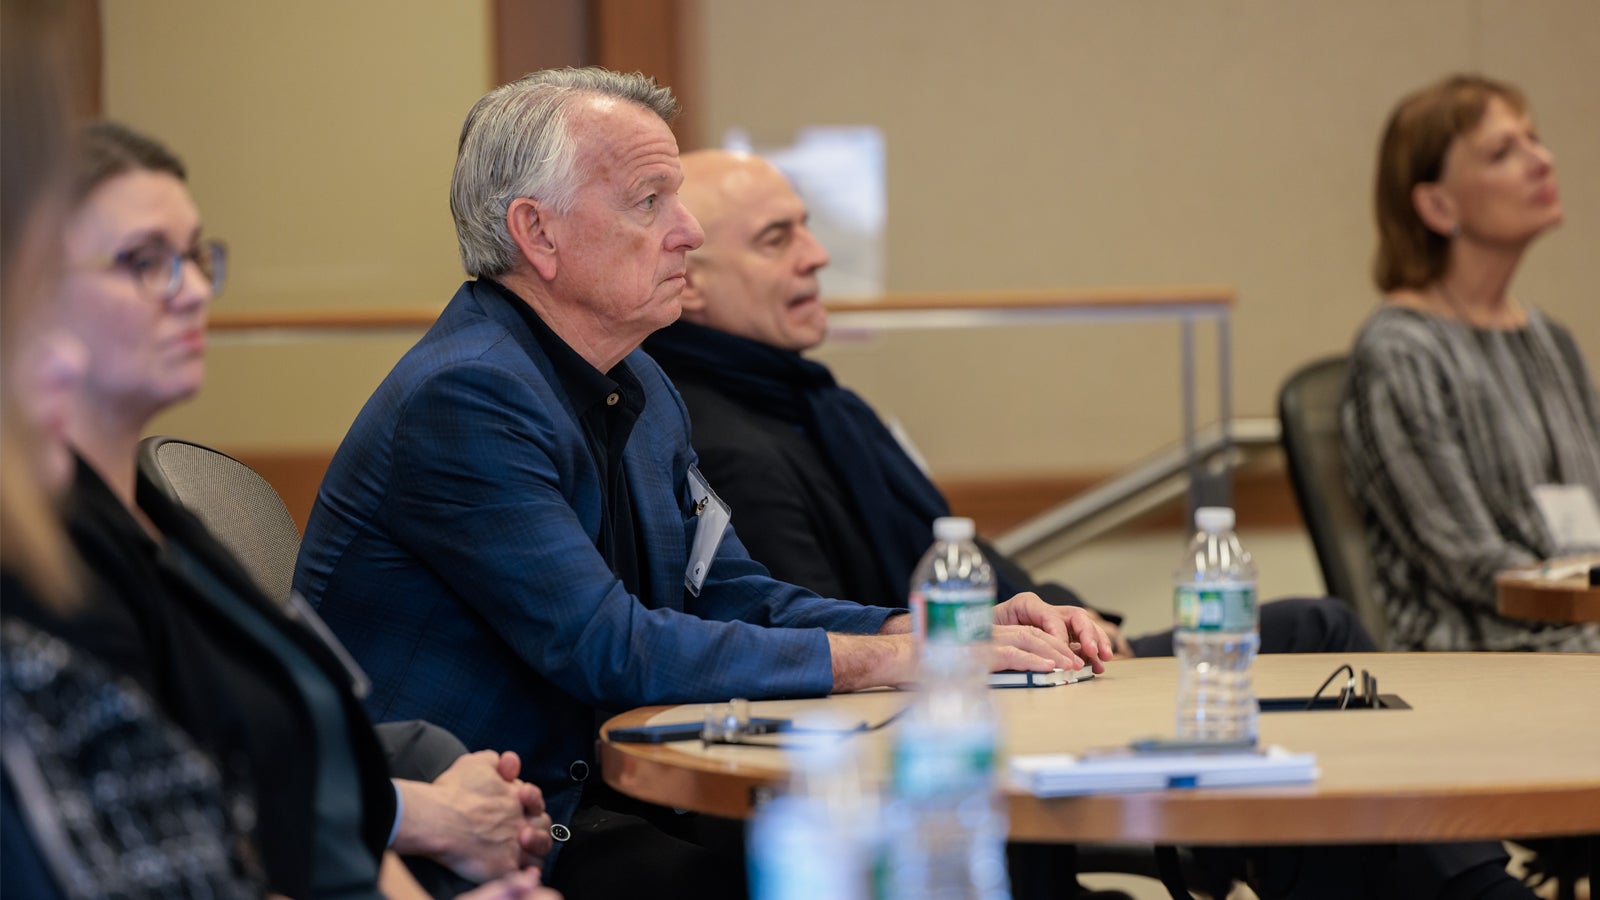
823 494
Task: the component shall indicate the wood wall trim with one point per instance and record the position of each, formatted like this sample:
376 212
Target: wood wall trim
650 36
374 319
1262 498
86 80
655 37
528 37
295 475
1201 297
1262 494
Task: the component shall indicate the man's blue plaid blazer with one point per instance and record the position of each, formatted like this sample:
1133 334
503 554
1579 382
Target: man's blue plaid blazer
452 548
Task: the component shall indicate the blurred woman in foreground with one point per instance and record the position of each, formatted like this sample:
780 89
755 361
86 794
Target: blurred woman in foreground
1462 400
261 695
99 794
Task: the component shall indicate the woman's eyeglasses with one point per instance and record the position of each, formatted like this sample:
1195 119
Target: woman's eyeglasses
158 269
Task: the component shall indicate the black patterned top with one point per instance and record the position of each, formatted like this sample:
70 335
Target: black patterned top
114 801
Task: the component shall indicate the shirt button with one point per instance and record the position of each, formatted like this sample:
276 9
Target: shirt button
612 398
560 832
578 771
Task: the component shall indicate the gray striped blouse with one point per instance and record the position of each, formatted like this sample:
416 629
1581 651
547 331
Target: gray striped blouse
1447 428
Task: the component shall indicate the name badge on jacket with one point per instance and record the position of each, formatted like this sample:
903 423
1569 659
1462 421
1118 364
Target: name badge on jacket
714 516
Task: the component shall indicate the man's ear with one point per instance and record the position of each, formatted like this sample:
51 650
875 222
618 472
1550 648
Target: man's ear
1435 207
528 222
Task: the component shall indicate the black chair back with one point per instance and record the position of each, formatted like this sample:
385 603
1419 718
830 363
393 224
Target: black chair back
1313 444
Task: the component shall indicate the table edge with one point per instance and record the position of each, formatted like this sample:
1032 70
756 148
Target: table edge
661 774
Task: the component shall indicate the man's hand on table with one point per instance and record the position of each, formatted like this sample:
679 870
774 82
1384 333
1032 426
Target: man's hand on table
1074 635
1119 641
1029 634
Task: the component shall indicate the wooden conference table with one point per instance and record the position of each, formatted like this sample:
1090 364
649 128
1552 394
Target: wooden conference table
1493 746
1532 594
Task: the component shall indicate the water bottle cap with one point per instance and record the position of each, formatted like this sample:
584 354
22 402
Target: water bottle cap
953 528
1214 519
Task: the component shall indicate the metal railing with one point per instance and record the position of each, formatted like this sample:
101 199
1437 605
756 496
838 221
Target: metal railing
1147 485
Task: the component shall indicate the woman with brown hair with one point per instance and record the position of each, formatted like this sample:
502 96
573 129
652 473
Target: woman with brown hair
1462 400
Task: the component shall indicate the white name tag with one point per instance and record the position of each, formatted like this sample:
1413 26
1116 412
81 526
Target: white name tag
1570 514
714 516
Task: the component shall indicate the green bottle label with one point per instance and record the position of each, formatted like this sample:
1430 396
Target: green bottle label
959 616
1214 607
934 765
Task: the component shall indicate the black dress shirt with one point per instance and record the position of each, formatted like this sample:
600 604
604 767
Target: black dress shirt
608 405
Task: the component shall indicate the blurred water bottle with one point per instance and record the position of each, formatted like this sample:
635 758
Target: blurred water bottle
952 589
1216 633
822 836
946 813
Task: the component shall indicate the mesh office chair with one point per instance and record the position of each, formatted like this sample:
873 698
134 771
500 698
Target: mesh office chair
1313 444
248 517
240 508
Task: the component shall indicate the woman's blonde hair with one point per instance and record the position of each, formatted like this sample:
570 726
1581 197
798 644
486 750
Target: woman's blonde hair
34 151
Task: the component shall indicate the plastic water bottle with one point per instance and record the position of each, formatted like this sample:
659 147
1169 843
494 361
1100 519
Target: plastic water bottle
952 590
822 836
949 818
948 814
1216 632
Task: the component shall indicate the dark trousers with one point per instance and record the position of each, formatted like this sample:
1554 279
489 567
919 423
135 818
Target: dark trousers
1295 625
624 848
421 751
620 847
1456 871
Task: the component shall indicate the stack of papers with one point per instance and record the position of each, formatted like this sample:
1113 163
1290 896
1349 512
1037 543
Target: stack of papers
1063 774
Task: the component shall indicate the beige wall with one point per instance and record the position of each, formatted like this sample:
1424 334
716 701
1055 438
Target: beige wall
319 137
1032 144
1041 144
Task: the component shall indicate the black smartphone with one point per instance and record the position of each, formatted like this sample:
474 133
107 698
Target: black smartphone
657 734
688 731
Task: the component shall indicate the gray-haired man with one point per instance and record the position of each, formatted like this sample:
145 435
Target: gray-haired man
504 537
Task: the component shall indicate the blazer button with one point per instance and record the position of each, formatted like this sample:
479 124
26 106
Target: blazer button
560 832
578 771
613 398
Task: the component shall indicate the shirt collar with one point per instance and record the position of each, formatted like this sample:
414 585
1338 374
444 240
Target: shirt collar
586 386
